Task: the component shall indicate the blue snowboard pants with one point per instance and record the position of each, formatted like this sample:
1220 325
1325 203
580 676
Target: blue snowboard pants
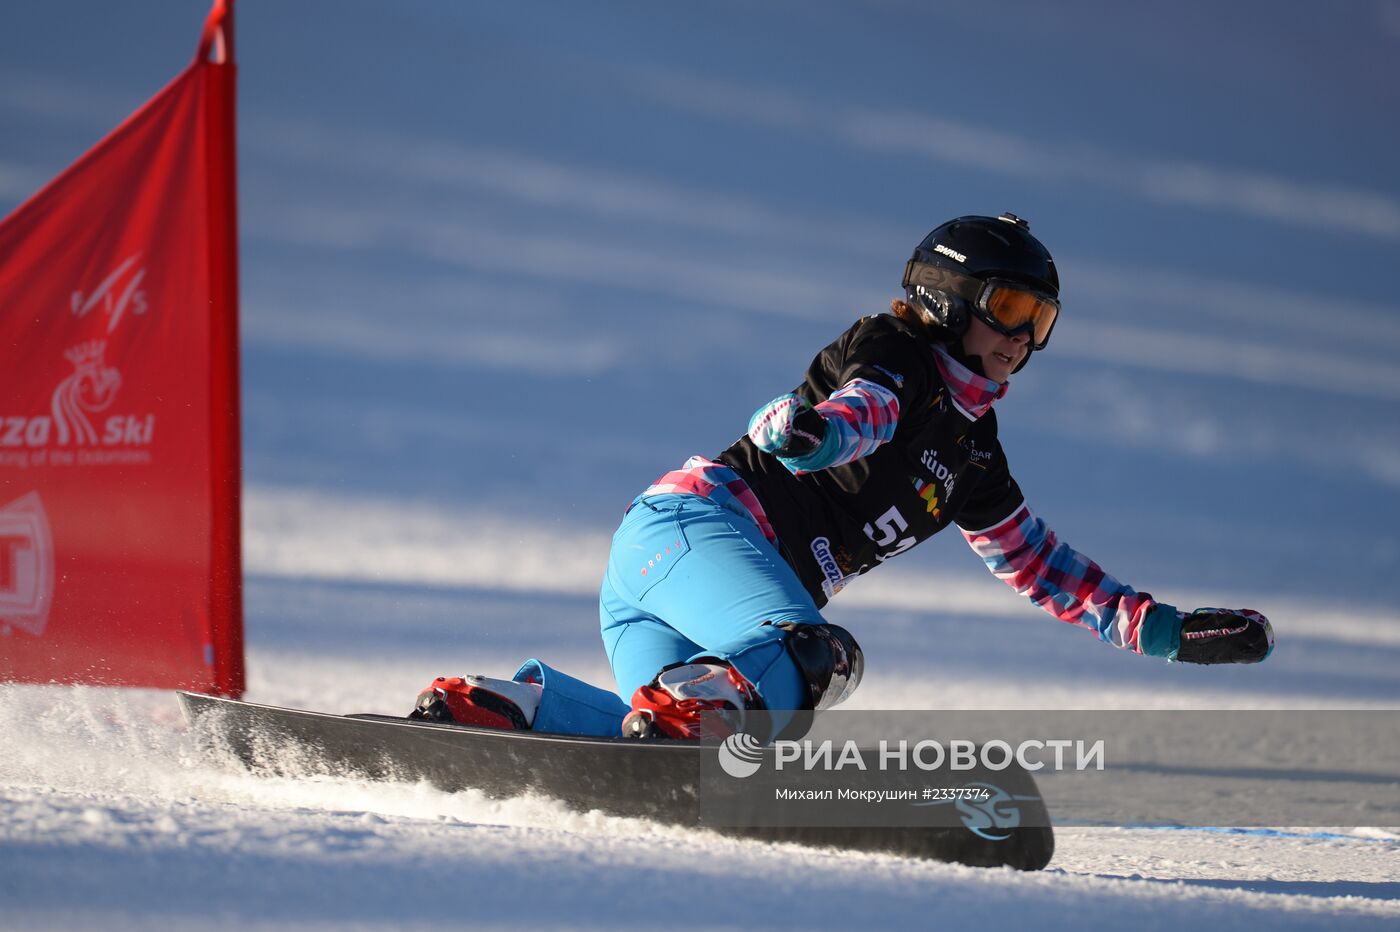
686 579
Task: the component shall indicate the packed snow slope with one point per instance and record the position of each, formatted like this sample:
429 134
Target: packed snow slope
505 264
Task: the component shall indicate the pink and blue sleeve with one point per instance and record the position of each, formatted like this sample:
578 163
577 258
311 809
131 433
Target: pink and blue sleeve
860 416
1028 556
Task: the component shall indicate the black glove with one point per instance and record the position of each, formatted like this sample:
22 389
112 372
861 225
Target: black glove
1222 635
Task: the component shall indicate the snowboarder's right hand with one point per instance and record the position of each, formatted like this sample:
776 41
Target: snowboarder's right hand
788 427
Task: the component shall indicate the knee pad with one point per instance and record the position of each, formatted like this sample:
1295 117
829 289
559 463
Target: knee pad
828 658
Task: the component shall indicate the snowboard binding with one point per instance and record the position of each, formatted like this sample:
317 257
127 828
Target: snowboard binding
691 701
478 700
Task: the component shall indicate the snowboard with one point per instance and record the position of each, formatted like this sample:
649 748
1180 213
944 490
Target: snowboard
656 780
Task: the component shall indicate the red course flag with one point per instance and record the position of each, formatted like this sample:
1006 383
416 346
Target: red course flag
119 438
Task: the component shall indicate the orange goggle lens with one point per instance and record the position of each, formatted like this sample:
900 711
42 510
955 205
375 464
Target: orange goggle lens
1011 309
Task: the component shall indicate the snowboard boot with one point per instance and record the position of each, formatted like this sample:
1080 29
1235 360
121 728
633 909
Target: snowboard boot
692 701
478 700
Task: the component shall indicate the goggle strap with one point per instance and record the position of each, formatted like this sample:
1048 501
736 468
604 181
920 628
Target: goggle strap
931 276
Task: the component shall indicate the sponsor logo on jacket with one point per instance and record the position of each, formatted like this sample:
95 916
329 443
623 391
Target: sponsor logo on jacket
835 581
978 457
928 491
940 472
894 377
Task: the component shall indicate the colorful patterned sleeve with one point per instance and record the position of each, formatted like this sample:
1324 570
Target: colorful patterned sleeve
860 416
1025 554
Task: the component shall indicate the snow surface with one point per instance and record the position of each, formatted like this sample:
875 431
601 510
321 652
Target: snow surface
504 264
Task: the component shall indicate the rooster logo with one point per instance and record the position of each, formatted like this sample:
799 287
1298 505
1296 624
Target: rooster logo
89 390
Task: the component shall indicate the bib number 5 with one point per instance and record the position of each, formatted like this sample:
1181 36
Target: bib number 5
885 533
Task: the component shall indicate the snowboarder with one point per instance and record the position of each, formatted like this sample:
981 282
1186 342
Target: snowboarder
714 585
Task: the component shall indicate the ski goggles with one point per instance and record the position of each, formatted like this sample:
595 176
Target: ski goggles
1007 307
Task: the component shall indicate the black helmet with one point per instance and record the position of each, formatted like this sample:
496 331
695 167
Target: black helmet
991 267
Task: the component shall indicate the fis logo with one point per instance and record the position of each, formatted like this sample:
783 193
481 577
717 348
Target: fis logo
26 565
119 292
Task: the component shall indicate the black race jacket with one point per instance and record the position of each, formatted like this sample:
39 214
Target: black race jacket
941 466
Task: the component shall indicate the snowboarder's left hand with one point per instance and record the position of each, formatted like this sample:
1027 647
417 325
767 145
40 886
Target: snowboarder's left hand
1224 635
